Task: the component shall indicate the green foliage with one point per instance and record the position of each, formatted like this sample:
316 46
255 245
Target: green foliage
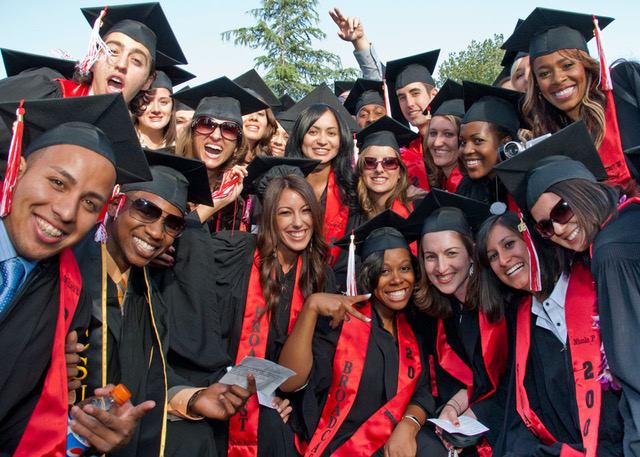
284 31
480 62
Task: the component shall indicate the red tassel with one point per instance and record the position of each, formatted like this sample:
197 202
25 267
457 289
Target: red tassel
96 44
535 282
13 162
101 234
605 75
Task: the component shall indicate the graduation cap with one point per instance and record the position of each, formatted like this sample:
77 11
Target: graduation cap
364 92
286 124
493 104
178 104
15 62
252 81
321 94
377 234
511 55
412 69
101 123
448 100
220 98
144 23
340 87
440 211
169 77
286 102
176 179
385 132
262 169
545 31
567 154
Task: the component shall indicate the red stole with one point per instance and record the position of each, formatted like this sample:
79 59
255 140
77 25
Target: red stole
243 427
72 89
335 217
584 344
403 211
451 183
493 339
413 158
348 365
610 150
46 432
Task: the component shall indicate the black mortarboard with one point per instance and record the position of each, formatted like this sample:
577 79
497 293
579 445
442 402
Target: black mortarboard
526 176
364 92
321 94
545 31
504 74
440 211
146 24
176 179
385 132
16 62
178 104
286 102
169 77
262 169
101 123
252 81
222 99
287 124
339 87
510 55
417 68
448 100
379 233
493 104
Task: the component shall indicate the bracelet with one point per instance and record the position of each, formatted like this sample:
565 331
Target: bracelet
414 419
458 404
190 405
453 407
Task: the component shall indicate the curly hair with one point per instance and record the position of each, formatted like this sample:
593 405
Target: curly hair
546 118
169 130
312 274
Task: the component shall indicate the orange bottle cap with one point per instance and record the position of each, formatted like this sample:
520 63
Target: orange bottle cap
121 394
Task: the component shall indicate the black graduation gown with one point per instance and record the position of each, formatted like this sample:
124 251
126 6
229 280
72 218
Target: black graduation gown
616 270
626 94
27 327
379 383
484 189
134 351
550 387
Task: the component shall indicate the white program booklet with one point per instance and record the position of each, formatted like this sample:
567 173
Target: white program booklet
468 426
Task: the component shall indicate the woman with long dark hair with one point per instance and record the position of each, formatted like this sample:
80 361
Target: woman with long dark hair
156 126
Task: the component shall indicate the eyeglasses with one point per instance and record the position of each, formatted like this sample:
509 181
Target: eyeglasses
388 163
206 126
560 213
142 210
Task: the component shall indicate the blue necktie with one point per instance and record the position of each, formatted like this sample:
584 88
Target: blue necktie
12 271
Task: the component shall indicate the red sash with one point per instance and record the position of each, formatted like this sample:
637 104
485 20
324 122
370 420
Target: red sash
610 150
243 427
335 218
46 432
348 365
413 158
584 344
72 89
493 339
403 211
451 183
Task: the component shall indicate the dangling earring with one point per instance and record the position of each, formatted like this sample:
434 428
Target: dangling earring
311 246
471 270
275 251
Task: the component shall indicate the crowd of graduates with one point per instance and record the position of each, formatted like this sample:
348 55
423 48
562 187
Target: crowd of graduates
409 252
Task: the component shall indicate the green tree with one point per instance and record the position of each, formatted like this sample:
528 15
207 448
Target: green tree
480 62
285 31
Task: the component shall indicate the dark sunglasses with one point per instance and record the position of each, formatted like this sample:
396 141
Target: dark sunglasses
142 210
206 126
388 163
560 213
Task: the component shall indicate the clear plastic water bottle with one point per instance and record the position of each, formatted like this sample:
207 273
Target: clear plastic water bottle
76 444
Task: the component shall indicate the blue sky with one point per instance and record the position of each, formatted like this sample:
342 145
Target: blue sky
411 27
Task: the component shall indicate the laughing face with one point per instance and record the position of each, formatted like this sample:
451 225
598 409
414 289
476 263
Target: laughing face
380 182
254 126
479 145
397 278
562 82
295 224
447 262
442 142
58 198
322 140
126 70
508 257
570 235
213 149
414 99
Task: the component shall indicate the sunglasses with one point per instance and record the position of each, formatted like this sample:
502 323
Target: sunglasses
206 126
388 163
142 210
560 213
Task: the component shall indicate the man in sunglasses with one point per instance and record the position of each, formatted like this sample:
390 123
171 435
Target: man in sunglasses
128 336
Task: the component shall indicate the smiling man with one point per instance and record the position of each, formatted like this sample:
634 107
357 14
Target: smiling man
65 176
411 88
